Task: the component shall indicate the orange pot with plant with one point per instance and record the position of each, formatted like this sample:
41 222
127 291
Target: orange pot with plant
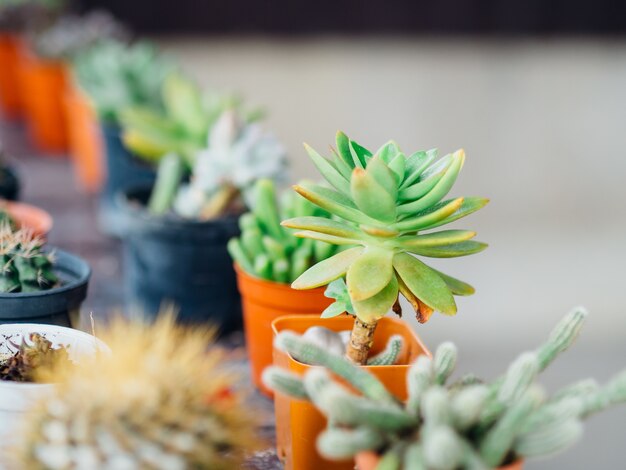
43 87
268 258
28 216
9 78
298 423
370 460
85 140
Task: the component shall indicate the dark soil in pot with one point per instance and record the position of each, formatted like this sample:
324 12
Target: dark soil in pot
9 184
169 260
56 306
123 171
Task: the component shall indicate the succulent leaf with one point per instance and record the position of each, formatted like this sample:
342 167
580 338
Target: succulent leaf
416 164
369 273
453 250
328 270
377 306
372 198
445 237
323 225
328 171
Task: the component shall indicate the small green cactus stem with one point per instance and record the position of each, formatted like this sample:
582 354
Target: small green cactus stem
467 405
414 457
387 199
266 250
613 393
562 337
309 353
284 382
443 448
341 444
419 378
497 442
435 406
444 362
548 440
345 408
169 175
390 354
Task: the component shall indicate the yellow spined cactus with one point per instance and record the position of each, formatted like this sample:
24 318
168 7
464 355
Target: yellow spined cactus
160 400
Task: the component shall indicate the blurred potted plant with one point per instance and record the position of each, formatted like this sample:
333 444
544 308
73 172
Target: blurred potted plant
108 77
468 424
191 416
384 201
267 259
44 70
29 352
16 17
176 233
39 285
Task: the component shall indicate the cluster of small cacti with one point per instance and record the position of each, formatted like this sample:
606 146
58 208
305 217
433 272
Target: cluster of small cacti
269 251
25 266
70 34
388 199
116 76
159 399
466 425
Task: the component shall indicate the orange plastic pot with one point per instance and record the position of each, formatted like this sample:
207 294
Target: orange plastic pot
298 423
263 302
9 76
370 460
27 216
43 87
85 141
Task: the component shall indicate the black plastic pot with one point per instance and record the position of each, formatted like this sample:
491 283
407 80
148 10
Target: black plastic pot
171 261
124 170
58 306
9 184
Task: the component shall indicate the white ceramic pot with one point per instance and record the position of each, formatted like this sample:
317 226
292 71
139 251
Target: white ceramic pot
16 397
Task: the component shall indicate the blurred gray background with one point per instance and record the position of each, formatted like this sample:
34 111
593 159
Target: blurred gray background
543 124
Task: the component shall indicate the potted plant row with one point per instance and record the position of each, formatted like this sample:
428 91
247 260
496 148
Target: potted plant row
386 205
176 233
467 424
111 76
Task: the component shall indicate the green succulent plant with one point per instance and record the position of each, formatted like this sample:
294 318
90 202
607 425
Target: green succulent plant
387 200
181 127
116 76
467 425
25 267
265 249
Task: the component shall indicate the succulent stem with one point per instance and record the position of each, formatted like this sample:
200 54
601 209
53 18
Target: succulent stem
361 340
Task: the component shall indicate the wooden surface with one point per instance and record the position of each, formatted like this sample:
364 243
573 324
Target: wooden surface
48 182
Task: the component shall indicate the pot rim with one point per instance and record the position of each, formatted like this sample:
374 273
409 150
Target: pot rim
65 261
284 286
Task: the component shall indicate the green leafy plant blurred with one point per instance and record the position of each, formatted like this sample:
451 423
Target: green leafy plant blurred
388 199
468 424
269 251
117 76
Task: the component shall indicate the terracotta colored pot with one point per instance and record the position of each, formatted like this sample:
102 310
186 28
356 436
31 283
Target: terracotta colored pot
85 140
298 423
43 87
369 461
10 102
263 302
25 215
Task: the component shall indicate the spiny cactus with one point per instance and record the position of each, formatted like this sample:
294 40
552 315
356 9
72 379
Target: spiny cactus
25 267
269 251
117 76
70 34
468 425
158 400
388 200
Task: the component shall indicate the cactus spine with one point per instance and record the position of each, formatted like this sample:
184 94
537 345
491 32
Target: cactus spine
467 425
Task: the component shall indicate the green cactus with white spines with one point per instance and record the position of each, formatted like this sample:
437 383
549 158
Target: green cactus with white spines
25 267
389 199
467 425
265 249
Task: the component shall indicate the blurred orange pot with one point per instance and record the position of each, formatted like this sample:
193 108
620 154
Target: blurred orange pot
27 216
85 141
43 86
263 302
369 461
298 423
9 76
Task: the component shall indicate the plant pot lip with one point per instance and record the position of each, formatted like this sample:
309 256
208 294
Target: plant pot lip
283 286
43 328
47 222
307 318
64 261
139 213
